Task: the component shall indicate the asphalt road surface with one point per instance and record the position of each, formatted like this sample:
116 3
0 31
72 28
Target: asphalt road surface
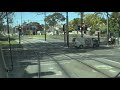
52 59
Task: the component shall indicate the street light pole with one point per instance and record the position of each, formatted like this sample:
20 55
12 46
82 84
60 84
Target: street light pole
67 31
45 25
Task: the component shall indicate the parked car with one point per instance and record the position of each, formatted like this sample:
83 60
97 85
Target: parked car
82 42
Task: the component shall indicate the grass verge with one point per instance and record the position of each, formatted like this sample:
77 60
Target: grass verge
14 44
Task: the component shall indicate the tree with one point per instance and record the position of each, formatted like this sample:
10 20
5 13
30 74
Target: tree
71 27
76 22
3 16
53 19
106 21
73 24
33 26
115 22
93 22
38 26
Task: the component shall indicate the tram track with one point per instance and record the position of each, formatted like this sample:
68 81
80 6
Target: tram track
92 66
63 69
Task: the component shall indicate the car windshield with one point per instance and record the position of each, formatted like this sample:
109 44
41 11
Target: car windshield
54 45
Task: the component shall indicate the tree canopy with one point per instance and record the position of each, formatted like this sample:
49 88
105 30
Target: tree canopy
54 18
3 16
93 22
114 22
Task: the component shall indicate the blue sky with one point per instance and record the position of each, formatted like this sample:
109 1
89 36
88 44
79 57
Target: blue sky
33 17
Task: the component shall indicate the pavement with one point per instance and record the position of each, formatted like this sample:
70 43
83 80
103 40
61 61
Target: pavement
53 60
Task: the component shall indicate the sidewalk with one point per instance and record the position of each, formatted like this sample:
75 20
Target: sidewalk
110 46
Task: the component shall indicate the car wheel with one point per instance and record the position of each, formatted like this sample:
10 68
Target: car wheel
97 45
81 46
94 46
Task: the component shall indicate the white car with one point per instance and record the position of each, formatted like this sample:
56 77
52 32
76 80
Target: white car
82 42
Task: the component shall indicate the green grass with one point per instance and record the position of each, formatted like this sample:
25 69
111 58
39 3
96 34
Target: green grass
61 37
12 42
6 42
40 36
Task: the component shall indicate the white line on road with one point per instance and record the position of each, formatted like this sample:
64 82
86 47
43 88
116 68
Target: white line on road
103 67
106 60
51 68
112 71
58 73
48 64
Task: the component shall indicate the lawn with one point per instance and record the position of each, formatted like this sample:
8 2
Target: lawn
12 42
40 36
61 37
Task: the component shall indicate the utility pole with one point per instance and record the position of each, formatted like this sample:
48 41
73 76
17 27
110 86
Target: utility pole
8 30
67 31
107 30
45 25
64 30
9 42
81 24
19 28
21 23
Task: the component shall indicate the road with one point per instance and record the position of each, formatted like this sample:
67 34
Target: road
52 59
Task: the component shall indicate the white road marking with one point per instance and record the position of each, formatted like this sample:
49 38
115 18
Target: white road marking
83 54
58 73
105 54
48 64
103 66
106 60
112 70
64 62
31 69
113 61
51 68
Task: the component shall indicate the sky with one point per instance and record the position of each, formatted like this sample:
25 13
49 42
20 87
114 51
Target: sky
33 17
